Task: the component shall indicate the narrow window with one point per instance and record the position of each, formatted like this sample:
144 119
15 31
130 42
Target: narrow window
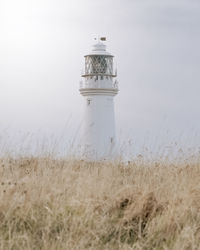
88 101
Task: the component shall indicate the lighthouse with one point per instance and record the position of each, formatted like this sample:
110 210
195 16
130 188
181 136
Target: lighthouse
99 87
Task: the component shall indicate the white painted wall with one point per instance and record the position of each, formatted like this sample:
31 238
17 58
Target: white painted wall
99 127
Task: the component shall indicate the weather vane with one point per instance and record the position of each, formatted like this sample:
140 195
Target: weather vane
100 38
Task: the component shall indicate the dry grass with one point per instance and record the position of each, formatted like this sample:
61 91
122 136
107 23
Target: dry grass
60 204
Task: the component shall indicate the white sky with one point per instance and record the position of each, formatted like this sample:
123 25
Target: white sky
156 46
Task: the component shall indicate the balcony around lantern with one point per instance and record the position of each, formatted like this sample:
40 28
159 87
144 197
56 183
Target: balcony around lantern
99 84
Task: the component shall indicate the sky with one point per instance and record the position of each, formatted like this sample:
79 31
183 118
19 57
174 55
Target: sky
157 55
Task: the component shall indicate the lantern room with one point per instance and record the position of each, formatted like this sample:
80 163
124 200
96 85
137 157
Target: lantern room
99 62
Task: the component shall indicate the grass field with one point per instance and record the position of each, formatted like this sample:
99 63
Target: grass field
69 204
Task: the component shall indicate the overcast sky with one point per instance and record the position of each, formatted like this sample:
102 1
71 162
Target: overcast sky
156 48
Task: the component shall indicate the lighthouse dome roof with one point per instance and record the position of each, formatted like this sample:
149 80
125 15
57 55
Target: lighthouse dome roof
99 48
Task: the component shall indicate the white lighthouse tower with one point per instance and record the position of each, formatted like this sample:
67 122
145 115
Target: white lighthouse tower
99 89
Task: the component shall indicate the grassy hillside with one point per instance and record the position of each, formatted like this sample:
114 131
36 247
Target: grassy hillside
60 204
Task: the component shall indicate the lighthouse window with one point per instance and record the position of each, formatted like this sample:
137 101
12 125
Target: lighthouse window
88 101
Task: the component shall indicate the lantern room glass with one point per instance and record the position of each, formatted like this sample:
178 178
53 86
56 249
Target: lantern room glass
99 65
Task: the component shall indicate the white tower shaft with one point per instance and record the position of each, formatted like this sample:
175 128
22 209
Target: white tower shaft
99 91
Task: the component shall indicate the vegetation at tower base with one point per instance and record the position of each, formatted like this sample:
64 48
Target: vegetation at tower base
72 204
